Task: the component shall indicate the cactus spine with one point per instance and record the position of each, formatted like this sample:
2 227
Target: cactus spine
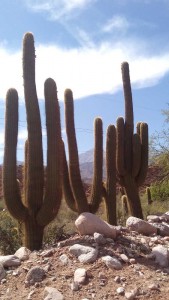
37 207
72 182
132 149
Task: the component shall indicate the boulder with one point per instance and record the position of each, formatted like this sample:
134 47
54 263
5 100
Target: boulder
88 223
141 226
23 253
10 261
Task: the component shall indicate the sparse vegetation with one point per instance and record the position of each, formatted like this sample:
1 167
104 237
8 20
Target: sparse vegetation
10 239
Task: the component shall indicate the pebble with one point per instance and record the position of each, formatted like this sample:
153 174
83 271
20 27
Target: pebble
124 257
117 279
120 290
74 286
132 261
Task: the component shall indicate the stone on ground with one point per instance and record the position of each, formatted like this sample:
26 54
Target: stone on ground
85 254
88 223
141 226
112 262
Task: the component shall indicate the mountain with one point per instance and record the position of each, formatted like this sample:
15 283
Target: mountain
86 165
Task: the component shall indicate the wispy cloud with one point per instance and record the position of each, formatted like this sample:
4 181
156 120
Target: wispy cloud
116 23
59 8
86 71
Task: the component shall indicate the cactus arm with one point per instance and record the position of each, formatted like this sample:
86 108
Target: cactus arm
10 186
96 192
53 190
35 155
120 160
136 164
144 153
110 197
74 169
129 123
67 191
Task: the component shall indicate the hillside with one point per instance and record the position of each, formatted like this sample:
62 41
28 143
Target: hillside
86 167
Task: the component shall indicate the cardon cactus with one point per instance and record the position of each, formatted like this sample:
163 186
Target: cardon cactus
110 186
37 205
132 149
73 189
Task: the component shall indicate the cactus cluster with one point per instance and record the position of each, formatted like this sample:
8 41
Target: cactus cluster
132 149
38 204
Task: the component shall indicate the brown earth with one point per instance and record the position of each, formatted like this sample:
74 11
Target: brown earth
144 276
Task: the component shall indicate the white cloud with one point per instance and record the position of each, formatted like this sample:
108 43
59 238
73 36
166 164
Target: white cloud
116 23
1 139
58 9
86 71
22 134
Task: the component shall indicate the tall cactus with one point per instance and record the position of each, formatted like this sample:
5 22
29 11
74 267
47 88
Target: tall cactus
38 205
72 183
132 149
110 187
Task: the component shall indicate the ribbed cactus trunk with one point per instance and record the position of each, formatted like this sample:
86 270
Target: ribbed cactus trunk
110 193
74 192
38 205
132 149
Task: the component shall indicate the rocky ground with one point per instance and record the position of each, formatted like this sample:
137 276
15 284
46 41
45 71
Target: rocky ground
132 266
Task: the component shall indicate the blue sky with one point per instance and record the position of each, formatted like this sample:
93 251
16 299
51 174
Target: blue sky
81 45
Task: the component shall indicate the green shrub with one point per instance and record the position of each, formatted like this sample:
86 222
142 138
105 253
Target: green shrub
10 238
160 191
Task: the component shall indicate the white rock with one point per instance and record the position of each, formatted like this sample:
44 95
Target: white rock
85 254
51 293
112 262
64 259
124 257
161 255
10 261
153 218
141 226
130 295
2 272
30 295
88 223
99 238
80 275
132 261
23 253
120 290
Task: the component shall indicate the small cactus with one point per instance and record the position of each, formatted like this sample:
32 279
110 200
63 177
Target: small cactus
148 193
